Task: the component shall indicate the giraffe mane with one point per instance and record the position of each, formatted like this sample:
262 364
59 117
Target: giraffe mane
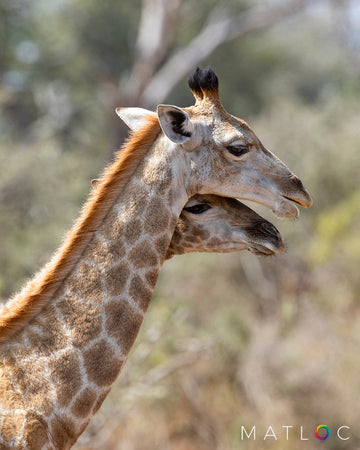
25 305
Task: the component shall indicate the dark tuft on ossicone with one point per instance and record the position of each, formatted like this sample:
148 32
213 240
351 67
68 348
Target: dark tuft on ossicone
194 84
203 80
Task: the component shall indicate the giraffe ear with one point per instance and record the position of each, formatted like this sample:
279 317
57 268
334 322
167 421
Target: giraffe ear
175 123
95 182
135 118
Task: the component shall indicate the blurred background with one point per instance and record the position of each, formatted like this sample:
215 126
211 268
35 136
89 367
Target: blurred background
229 340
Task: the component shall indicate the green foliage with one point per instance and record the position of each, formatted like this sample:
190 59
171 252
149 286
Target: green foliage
339 229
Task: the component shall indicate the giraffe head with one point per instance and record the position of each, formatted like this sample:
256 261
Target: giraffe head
223 154
209 223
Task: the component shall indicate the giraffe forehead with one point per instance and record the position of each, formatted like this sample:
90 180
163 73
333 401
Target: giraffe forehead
232 127
226 134
221 127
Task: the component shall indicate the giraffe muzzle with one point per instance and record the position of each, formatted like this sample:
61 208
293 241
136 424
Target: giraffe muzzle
271 241
297 193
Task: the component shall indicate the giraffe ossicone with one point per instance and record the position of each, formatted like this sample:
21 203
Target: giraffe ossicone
66 335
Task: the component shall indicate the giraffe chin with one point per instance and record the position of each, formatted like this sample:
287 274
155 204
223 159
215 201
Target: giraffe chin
285 209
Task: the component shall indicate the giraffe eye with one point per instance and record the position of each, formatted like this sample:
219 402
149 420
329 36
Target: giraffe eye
198 209
238 150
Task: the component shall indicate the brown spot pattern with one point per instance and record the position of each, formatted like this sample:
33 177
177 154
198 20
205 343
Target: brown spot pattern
203 234
83 319
156 218
12 399
143 255
140 293
133 231
164 175
30 380
156 174
35 434
84 402
48 339
65 372
87 282
63 431
122 323
104 254
116 278
101 363
137 199
58 435
10 427
100 400
112 227
162 244
151 277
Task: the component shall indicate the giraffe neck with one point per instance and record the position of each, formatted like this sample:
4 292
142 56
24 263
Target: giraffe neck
74 349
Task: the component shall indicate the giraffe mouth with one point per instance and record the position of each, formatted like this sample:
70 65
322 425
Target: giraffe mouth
298 202
255 248
285 208
267 249
261 250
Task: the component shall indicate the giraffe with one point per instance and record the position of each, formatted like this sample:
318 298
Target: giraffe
208 223
66 335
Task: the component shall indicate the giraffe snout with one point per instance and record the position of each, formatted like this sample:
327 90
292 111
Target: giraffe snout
272 236
297 193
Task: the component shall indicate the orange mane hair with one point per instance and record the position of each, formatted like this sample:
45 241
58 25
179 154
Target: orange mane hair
40 289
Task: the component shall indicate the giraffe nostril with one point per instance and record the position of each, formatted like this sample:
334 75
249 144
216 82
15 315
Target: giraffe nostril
272 236
269 229
297 182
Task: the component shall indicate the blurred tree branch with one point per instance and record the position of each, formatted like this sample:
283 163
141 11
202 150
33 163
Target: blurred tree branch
149 80
155 35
